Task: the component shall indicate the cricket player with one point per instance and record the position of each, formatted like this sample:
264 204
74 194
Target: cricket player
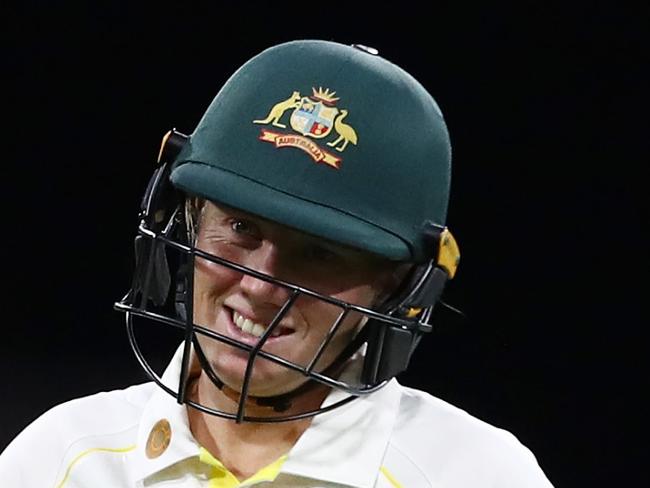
296 242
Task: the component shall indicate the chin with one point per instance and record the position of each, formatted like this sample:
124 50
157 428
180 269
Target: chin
267 379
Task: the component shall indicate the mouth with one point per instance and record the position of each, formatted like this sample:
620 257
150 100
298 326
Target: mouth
251 329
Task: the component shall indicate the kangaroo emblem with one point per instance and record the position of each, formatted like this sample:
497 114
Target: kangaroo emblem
312 119
346 133
278 110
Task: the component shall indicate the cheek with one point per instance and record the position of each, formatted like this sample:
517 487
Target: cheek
213 274
211 281
362 295
321 316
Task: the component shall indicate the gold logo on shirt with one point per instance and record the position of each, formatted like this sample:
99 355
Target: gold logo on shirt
159 439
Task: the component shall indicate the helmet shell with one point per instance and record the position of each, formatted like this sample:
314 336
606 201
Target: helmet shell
329 139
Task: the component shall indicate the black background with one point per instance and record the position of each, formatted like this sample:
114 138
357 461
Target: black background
545 108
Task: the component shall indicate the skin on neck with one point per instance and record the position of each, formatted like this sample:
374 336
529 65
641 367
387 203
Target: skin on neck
247 447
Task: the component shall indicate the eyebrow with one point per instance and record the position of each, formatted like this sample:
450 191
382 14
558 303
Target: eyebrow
226 211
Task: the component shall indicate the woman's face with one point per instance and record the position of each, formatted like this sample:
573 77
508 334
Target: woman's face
241 306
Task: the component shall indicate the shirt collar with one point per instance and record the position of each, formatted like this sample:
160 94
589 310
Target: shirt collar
163 406
345 445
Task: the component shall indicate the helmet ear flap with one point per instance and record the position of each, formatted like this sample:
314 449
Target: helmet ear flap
388 353
151 280
152 276
390 347
180 296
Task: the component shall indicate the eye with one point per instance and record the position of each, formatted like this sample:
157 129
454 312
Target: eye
244 227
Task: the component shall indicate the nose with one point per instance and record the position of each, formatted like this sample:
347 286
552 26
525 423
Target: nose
265 259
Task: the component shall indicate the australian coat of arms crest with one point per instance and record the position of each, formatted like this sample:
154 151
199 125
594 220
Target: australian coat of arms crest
313 117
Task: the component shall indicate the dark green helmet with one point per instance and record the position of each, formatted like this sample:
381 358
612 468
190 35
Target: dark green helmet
330 139
334 141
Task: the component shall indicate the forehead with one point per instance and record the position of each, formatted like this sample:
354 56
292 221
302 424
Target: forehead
215 215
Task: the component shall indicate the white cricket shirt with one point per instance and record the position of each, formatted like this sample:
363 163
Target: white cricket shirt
395 438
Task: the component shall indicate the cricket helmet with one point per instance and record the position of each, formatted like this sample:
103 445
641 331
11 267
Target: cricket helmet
328 139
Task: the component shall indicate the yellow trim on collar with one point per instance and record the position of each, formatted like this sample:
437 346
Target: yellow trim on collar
389 476
88 451
221 477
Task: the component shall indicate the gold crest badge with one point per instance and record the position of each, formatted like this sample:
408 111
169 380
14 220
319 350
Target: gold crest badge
313 117
159 439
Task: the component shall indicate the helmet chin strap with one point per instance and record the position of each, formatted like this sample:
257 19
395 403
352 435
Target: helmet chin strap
280 403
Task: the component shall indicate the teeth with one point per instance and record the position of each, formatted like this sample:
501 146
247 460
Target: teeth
238 319
248 326
258 330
